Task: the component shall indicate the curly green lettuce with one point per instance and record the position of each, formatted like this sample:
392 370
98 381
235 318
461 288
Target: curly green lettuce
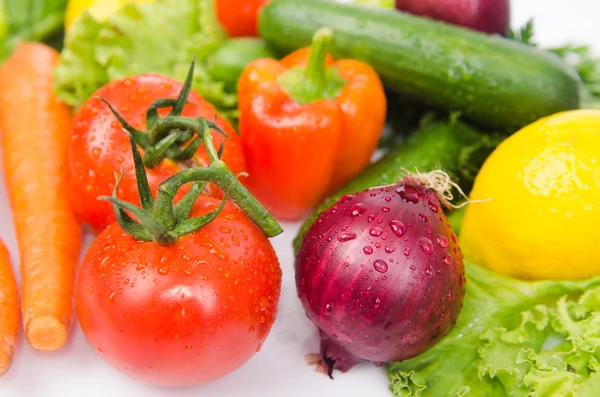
159 37
30 20
512 339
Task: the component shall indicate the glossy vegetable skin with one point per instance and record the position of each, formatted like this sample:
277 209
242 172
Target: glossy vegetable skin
493 81
99 149
185 313
239 18
227 62
490 16
10 312
452 146
307 104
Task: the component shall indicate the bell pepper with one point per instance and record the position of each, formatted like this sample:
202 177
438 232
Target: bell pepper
308 125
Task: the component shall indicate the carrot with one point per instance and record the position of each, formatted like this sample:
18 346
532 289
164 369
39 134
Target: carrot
9 310
35 133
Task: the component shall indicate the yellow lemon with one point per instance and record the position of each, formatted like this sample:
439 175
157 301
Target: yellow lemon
99 9
542 220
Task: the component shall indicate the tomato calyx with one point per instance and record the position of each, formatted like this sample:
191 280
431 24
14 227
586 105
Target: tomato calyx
163 221
159 142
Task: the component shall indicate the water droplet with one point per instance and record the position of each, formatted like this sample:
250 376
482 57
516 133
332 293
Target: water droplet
378 245
371 218
426 245
434 206
328 309
380 266
442 241
377 303
448 259
163 270
412 267
410 196
376 232
450 293
347 198
140 266
346 264
358 209
112 295
365 277
225 229
406 251
423 217
91 290
383 278
188 347
429 272
96 152
390 249
100 351
385 209
454 238
398 228
388 198
368 250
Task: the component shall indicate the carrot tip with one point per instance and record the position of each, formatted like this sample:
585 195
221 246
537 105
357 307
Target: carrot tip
5 361
46 333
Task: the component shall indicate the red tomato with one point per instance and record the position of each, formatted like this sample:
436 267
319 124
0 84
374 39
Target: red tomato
239 18
99 148
181 314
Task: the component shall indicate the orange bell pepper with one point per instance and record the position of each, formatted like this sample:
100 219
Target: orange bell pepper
308 125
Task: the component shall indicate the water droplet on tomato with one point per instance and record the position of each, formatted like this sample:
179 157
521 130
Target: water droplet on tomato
140 266
96 153
91 290
112 296
442 241
188 347
376 232
358 209
380 266
367 250
346 236
426 245
163 270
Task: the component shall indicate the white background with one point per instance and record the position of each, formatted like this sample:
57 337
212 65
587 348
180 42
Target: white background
279 368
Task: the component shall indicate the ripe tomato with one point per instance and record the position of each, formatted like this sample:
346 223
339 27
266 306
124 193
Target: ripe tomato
99 148
239 18
181 314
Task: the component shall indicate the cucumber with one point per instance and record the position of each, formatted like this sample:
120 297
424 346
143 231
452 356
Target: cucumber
453 146
493 81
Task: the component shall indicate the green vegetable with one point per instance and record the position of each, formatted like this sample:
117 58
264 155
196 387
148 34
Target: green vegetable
227 62
501 345
452 146
492 81
159 37
30 20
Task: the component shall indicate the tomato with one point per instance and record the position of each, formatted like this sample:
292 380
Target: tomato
239 18
181 314
99 148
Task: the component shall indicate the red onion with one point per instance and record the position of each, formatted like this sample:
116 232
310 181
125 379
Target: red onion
491 16
381 275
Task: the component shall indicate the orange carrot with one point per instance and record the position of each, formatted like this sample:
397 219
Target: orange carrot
9 310
35 133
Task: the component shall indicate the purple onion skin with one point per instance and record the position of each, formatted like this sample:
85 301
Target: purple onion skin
489 16
381 275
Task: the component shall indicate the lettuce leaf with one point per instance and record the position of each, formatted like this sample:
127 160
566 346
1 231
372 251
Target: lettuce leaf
159 37
512 338
30 20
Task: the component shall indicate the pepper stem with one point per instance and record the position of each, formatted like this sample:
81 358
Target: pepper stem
315 69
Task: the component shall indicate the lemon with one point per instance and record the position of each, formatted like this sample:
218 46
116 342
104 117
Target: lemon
542 220
99 9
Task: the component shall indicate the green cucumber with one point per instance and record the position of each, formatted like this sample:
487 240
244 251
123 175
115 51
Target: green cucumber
453 146
493 81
